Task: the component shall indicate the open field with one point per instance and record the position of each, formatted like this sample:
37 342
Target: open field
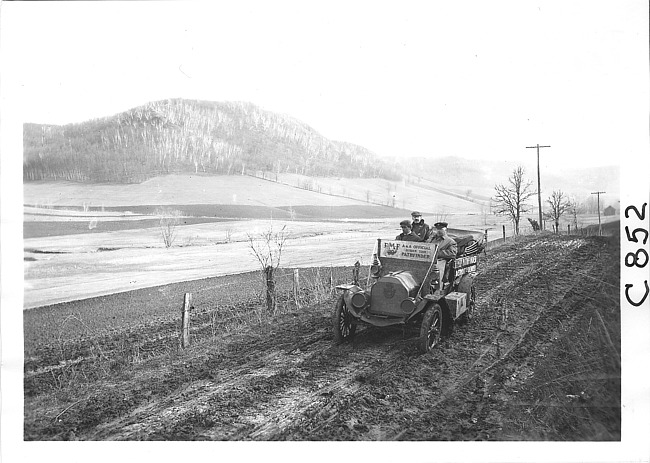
177 189
539 361
80 254
249 191
419 194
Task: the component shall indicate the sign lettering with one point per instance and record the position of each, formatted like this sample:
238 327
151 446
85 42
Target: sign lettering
409 250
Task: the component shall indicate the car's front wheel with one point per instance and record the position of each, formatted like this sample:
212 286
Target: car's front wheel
431 329
344 327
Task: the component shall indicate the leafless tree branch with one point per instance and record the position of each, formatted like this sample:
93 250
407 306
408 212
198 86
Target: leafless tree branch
559 204
511 199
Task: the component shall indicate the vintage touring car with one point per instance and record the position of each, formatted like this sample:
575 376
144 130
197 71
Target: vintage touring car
408 284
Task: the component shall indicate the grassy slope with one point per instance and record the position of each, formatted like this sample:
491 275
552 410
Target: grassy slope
246 191
408 195
177 189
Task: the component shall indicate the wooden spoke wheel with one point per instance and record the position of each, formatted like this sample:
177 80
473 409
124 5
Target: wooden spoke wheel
344 327
431 329
471 306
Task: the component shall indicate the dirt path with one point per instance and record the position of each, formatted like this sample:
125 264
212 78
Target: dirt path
292 383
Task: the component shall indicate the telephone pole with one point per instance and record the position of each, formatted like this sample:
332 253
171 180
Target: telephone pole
539 187
600 230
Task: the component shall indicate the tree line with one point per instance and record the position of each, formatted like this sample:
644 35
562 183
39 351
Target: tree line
511 200
176 136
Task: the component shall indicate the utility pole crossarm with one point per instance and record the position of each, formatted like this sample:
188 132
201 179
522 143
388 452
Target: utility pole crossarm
539 185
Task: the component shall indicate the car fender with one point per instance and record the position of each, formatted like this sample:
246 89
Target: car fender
426 301
439 297
350 290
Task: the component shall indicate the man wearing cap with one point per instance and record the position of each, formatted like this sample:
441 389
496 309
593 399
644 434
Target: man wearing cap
420 228
407 233
447 248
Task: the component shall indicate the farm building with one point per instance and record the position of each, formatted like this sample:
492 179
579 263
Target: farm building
609 210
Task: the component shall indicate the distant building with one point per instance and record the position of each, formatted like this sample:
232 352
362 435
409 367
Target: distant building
609 210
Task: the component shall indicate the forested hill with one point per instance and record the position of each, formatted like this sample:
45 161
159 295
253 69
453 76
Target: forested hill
175 136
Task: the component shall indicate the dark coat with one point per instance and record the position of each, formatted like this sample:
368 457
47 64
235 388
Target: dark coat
410 237
447 247
421 229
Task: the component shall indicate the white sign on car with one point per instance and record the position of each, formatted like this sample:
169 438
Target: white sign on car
409 250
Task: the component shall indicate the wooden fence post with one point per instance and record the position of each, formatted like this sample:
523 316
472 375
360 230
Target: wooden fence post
355 273
485 237
504 233
296 286
331 280
185 320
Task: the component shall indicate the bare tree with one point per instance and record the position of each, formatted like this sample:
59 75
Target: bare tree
485 210
511 199
590 205
169 220
574 209
559 204
267 248
439 216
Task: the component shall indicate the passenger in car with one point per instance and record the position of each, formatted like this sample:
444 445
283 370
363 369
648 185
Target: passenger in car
419 227
407 232
447 247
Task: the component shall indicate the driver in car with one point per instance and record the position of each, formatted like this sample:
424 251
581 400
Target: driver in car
447 247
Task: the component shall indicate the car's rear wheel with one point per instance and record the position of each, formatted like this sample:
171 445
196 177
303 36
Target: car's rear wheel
431 329
471 305
344 327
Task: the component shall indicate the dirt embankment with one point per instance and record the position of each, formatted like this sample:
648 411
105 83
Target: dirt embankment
539 361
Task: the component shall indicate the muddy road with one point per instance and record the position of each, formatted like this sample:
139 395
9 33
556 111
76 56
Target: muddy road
540 360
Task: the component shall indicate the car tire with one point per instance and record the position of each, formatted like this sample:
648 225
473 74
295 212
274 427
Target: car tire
471 305
344 327
431 329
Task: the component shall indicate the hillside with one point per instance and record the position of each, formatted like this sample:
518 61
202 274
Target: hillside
181 136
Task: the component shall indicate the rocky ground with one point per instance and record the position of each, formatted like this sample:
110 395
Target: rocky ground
540 360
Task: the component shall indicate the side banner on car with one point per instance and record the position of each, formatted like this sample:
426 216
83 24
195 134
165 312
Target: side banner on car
466 265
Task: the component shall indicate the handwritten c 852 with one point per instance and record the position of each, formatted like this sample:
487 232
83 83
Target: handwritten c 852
636 259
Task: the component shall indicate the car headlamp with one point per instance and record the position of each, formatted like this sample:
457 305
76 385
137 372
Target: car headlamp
359 300
407 305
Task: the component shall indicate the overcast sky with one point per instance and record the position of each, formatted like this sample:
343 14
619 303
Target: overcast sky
473 79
